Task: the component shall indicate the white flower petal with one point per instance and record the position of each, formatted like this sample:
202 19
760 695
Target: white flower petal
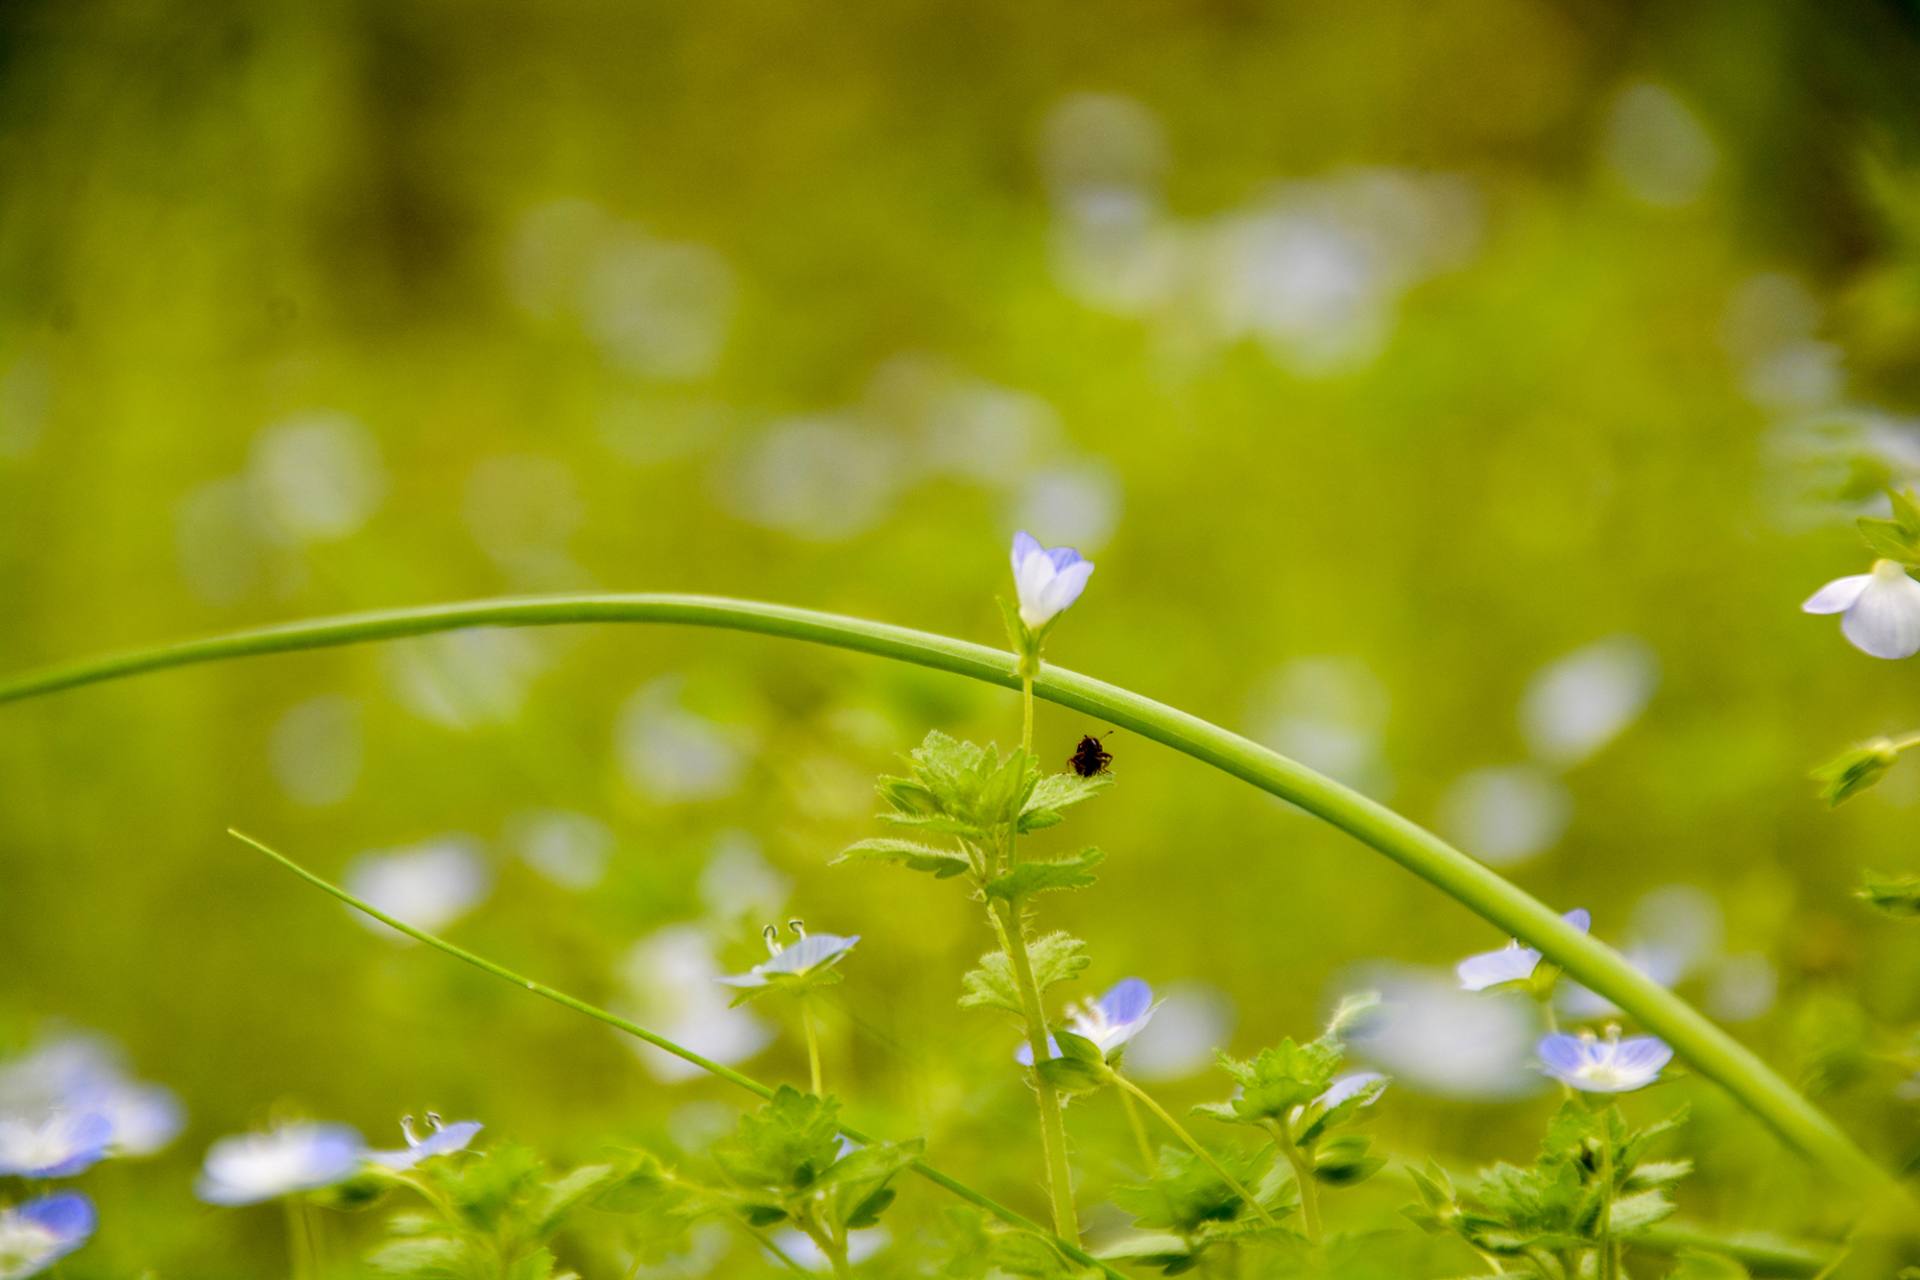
1885 620
1837 596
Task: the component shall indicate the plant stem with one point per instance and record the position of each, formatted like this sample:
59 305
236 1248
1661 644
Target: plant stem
945 1181
813 1046
1710 1051
1147 1162
1128 1087
1302 1177
1026 713
299 1249
1609 1259
1053 1128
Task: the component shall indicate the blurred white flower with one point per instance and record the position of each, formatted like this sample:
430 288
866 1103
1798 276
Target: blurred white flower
265 1166
1079 503
1657 146
427 886
737 881
1046 580
1434 1038
464 679
1505 815
1192 1022
317 477
315 750
521 511
1880 611
659 308
672 755
570 849
672 983
1673 933
823 478
1742 987
79 1074
1328 712
1578 704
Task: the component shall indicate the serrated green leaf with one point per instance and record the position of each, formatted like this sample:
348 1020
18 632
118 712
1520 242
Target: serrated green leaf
559 1197
784 1146
1275 1081
1057 791
1642 1209
1056 957
1886 538
428 1257
1072 872
1658 1173
942 863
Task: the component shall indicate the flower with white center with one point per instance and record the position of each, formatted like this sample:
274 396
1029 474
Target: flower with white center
1879 611
1046 579
429 885
1109 1022
439 1140
55 1144
1612 1065
82 1074
37 1234
1513 962
808 962
265 1166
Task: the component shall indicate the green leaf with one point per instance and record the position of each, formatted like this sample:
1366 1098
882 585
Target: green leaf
1072 872
1057 791
1345 1160
786 1145
1028 1257
561 1195
1658 1173
1277 1080
1640 1210
1071 1075
1185 1193
960 788
1694 1264
1855 770
1886 538
537 1265
1077 1047
1906 512
423 1256
1056 957
942 863
1895 895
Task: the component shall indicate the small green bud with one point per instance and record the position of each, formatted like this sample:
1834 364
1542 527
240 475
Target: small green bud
1855 769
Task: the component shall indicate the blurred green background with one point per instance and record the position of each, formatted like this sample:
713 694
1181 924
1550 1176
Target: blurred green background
1458 396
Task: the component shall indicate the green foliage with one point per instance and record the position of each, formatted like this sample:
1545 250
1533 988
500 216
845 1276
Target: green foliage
943 864
1056 791
1855 770
1186 1207
1590 1182
1075 871
1899 537
1896 895
1275 1081
959 788
1056 957
498 1211
786 1162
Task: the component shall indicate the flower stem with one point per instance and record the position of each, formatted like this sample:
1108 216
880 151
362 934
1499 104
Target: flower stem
1128 1087
1053 1128
945 1181
813 1046
1026 713
1147 1162
1710 1051
1302 1177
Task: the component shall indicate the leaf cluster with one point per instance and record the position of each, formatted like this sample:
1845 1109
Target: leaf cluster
1186 1208
787 1161
1592 1163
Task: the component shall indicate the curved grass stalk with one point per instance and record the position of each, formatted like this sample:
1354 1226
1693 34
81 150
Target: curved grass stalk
1710 1051
658 1041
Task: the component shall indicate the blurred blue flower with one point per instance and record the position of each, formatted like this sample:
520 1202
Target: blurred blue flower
1880 610
810 957
56 1144
1047 579
1109 1022
38 1233
439 1140
264 1166
1612 1065
83 1074
1513 962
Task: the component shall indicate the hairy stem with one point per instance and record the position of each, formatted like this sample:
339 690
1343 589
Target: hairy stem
1302 1177
942 1180
1053 1128
1710 1051
1129 1088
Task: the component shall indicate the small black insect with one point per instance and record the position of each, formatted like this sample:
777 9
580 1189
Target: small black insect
1089 757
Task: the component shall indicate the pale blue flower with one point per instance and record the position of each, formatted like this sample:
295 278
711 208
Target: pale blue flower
1612 1065
1047 579
38 1233
810 957
82 1074
265 1166
1109 1022
439 1140
1513 962
1879 611
54 1144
